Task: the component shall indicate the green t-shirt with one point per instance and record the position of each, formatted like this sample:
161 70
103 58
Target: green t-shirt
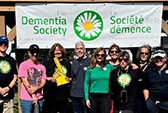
97 79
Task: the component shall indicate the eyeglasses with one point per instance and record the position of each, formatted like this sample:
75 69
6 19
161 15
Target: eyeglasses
79 48
120 60
143 53
32 52
57 53
1 43
114 51
102 55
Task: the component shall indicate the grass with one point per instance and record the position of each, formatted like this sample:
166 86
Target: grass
16 108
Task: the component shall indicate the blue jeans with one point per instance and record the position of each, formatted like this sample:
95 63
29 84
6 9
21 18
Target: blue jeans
79 105
27 106
155 106
138 101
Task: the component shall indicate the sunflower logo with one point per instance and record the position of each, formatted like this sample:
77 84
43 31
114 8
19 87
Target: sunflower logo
124 80
5 67
88 25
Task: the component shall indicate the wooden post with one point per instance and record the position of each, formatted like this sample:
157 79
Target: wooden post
165 27
12 34
19 59
2 25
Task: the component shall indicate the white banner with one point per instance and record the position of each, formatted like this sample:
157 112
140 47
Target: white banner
96 24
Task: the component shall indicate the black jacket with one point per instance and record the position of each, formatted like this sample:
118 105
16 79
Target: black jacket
157 83
131 89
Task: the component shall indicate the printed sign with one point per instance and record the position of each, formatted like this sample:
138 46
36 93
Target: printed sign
96 24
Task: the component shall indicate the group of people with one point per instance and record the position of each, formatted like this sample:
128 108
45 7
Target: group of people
94 85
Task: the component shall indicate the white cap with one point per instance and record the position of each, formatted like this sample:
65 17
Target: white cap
159 53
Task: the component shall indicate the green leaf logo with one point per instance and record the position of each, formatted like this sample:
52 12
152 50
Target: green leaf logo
88 25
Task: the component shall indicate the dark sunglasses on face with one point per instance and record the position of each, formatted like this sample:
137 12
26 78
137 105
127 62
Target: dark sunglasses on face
1 43
114 51
158 59
143 53
102 55
120 60
32 52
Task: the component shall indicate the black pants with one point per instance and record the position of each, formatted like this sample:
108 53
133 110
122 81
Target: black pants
55 106
124 111
100 103
155 106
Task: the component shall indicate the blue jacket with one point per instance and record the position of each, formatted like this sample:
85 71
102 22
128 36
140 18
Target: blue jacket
157 83
78 70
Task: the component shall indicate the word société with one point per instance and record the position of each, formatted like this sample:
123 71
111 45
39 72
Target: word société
120 25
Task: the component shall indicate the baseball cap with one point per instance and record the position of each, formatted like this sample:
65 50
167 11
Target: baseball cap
33 47
4 39
160 53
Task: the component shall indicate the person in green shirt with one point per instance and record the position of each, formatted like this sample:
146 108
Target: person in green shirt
96 86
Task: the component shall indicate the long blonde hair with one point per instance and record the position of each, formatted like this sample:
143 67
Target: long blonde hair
94 61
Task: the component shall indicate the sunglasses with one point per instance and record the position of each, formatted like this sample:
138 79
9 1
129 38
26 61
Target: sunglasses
120 60
158 58
32 52
114 52
102 55
1 43
143 53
